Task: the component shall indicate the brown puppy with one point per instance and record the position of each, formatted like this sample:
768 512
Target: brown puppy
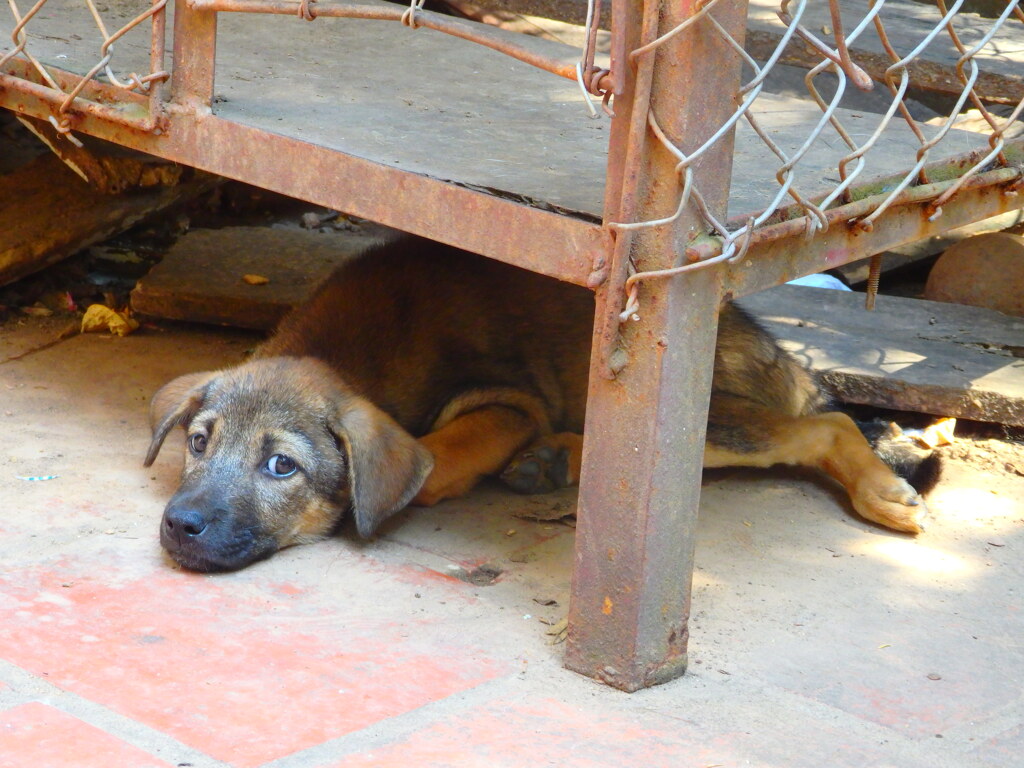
418 369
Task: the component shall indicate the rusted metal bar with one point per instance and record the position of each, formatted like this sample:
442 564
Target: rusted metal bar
622 179
645 429
477 33
708 253
126 109
195 51
40 80
157 47
865 197
561 246
785 255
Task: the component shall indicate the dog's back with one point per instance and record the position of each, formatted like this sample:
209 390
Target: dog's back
412 323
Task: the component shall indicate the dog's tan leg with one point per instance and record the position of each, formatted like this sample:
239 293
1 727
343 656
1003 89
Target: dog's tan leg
552 462
830 442
471 446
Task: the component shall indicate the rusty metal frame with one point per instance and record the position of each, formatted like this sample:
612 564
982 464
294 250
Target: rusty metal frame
310 10
640 487
69 95
650 378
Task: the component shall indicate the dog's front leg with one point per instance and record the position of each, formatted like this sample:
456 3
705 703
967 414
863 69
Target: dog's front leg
553 462
478 443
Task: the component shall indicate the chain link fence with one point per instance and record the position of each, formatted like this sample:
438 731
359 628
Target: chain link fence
899 52
902 52
95 31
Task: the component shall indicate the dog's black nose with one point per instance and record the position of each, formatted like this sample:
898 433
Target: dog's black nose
183 523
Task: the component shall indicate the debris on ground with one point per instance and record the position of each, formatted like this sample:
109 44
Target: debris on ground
989 453
939 433
100 318
558 632
546 512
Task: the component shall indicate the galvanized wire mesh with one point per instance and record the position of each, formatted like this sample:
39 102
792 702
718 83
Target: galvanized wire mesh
853 51
944 42
108 23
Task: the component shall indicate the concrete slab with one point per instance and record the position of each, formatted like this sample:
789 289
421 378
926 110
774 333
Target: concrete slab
817 639
203 276
906 354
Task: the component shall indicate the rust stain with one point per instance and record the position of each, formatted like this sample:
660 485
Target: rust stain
606 609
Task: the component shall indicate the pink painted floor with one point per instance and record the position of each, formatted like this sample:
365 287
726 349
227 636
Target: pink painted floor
817 640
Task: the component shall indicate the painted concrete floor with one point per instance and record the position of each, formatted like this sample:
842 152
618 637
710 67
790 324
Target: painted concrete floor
817 640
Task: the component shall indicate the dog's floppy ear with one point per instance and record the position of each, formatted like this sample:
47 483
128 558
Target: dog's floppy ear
386 465
176 402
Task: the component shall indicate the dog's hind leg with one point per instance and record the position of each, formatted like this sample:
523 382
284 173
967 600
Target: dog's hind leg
744 433
477 443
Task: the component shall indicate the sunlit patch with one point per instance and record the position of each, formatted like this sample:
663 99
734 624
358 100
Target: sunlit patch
976 506
916 557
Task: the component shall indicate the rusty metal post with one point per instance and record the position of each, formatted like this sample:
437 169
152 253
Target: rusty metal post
195 50
645 427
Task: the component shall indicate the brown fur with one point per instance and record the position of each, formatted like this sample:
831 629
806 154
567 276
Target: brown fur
416 370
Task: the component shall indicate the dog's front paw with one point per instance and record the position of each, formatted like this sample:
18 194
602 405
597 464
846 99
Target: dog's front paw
540 469
894 504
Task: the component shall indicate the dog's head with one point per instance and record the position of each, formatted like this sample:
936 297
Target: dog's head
277 451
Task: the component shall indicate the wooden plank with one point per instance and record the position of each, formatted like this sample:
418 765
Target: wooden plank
48 213
201 279
908 354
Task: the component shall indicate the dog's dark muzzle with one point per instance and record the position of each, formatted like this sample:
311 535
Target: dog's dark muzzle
209 538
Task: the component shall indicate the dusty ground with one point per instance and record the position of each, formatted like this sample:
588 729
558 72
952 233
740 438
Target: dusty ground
817 639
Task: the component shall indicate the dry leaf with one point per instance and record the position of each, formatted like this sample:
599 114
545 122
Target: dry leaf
558 632
256 279
100 318
37 311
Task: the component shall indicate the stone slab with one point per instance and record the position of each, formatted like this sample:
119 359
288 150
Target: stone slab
908 354
201 279
983 271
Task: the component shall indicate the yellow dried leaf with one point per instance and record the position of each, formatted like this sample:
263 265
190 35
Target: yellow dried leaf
256 279
100 318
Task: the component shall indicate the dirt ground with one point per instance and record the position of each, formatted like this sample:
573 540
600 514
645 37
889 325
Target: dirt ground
816 638
430 645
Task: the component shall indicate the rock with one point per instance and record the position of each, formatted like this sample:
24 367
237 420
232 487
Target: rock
247 277
982 271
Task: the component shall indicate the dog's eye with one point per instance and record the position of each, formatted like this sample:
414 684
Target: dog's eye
280 465
197 443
